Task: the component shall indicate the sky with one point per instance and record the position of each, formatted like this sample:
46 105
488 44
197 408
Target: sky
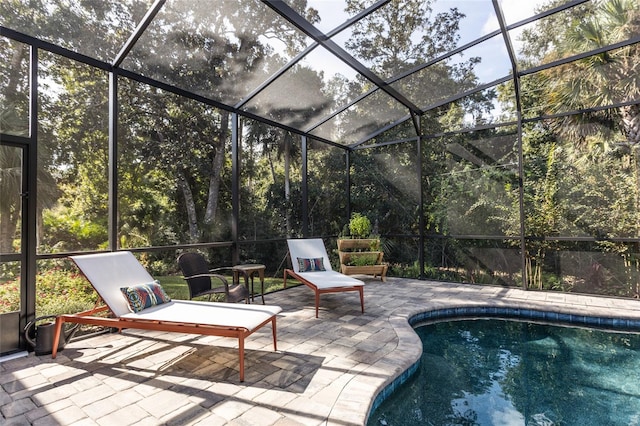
480 19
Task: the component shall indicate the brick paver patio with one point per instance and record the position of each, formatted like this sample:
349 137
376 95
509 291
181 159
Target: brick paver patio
327 371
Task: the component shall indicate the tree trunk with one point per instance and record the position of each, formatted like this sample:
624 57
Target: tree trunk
11 204
192 217
8 225
533 265
287 184
215 176
11 164
631 123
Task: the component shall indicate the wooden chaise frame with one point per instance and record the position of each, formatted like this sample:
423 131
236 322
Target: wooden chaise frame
126 261
328 281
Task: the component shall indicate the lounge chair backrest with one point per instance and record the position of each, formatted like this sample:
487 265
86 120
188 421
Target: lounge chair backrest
107 272
310 248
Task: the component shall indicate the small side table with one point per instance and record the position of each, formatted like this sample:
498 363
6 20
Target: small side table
247 272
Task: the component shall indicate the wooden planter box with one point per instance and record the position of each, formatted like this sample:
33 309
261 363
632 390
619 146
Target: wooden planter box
375 270
358 244
349 249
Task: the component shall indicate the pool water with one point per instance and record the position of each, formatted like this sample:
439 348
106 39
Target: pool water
498 372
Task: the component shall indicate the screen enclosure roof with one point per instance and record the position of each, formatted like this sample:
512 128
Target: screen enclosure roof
339 71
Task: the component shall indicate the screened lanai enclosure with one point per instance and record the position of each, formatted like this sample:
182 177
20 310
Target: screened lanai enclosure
488 141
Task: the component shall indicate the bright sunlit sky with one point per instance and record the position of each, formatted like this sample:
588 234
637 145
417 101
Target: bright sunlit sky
480 19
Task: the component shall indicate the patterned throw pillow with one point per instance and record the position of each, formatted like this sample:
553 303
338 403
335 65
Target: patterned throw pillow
145 296
310 265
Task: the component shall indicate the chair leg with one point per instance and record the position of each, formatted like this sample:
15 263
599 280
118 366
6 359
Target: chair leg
241 354
273 331
246 284
56 338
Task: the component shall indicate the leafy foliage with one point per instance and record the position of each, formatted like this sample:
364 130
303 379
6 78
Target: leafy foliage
362 259
58 291
9 296
359 226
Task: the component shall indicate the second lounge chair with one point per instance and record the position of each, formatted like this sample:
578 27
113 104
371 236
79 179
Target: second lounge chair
311 267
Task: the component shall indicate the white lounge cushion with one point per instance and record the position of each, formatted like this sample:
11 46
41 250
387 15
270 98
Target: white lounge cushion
330 279
208 313
107 272
311 248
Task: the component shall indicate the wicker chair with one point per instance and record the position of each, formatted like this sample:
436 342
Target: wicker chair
200 278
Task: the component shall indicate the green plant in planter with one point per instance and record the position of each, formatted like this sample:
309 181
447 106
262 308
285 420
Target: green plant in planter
363 260
359 226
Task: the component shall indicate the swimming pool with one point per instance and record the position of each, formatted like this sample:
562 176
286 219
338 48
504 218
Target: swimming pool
501 372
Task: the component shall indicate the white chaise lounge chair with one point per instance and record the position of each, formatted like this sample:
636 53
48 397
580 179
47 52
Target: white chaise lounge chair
108 273
311 266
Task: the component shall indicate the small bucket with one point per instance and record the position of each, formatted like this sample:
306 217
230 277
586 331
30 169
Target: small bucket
41 336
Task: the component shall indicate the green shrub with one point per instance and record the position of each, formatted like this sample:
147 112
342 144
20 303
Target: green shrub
404 270
364 259
59 291
60 305
9 296
359 226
